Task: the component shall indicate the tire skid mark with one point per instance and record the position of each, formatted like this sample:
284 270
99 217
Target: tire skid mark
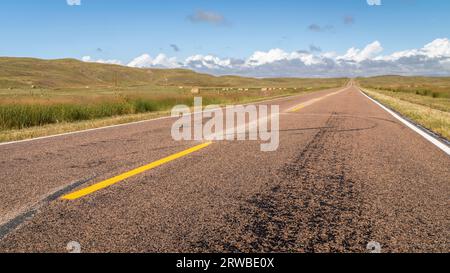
19 220
309 206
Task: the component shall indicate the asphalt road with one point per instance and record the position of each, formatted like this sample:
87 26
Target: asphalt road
346 173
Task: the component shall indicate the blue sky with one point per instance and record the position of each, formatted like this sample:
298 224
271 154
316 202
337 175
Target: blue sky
125 29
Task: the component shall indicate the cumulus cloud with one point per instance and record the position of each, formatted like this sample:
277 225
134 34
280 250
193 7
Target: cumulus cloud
432 59
160 61
89 59
208 61
210 17
73 2
260 58
437 49
358 55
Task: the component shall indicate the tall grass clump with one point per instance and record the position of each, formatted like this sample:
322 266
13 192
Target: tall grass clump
25 115
19 116
20 113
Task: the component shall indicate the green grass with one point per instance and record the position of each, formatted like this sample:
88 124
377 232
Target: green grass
39 112
424 100
442 104
18 116
62 126
433 87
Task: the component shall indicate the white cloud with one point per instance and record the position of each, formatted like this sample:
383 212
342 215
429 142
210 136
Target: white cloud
275 55
208 61
109 61
358 55
439 48
89 59
161 60
141 61
374 2
432 59
73 2
329 55
86 58
259 57
164 61
398 55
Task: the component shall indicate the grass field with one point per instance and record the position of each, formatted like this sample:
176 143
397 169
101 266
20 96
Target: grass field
434 87
42 97
424 100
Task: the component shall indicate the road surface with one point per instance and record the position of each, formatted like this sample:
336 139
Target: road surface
346 173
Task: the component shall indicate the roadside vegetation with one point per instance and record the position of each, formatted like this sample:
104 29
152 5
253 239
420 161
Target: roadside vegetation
434 87
421 99
40 97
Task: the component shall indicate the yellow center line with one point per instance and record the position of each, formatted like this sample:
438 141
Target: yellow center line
121 177
310 102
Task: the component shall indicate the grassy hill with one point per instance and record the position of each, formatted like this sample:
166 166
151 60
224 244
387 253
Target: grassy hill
65 73
69 73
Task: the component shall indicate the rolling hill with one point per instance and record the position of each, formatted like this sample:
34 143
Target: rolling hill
71 73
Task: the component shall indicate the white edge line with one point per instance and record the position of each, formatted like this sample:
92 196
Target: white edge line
82 131
130 123
410 125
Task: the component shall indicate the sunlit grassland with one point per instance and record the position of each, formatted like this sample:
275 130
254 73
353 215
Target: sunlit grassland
43 97
45 107
29 117
431 113
434 87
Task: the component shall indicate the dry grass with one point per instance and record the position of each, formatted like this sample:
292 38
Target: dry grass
69 74
434 87
427 114
45 97
60 128
28 112
66 127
